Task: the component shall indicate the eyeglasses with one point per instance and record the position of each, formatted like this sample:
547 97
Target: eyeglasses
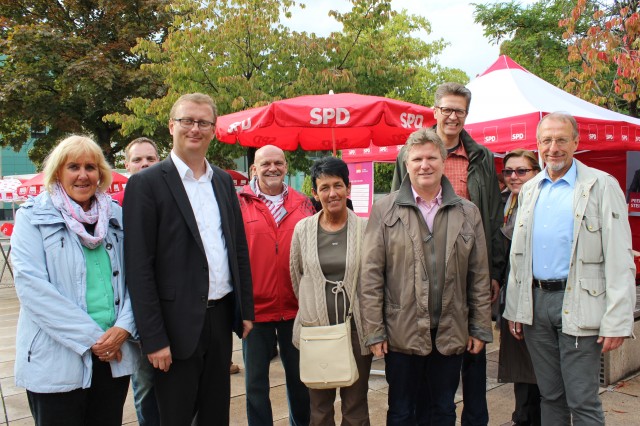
187 123
520 172
460 113
560 142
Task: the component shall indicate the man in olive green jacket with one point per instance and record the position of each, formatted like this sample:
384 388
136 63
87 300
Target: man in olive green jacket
424 293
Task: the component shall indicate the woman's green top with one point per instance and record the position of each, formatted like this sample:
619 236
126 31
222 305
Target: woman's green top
100 304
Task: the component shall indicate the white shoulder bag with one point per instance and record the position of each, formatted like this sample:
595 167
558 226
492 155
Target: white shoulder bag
326 354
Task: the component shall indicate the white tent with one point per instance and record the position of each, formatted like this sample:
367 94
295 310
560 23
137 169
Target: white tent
508 102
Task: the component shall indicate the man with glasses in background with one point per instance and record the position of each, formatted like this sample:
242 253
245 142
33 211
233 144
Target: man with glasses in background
471 170
187 268
571 288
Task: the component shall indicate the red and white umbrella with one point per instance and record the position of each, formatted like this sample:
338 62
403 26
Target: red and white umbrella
239 179
325 122
35 185
8 190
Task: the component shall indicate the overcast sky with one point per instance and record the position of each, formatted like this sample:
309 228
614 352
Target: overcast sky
451 20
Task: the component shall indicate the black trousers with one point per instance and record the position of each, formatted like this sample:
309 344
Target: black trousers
474 389
527 411
100 405
199 387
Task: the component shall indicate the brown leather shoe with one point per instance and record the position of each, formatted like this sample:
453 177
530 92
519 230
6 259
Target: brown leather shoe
234 369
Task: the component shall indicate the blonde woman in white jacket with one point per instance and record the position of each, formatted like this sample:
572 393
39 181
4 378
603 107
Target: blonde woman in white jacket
324 264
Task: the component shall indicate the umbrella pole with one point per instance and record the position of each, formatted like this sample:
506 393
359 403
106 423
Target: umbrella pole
333 140
333 134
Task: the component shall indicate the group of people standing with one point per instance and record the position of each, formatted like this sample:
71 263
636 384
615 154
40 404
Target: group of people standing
560 246
200 262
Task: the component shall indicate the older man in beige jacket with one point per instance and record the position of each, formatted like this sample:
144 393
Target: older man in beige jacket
571 287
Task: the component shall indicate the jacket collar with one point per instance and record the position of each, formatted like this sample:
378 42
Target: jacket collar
404 196
570 177
179 194
584 176
471 147
290 200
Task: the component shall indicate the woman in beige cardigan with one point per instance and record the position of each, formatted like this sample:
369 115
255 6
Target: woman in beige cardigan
325 256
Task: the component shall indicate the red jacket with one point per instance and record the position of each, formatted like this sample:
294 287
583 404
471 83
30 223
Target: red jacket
269 247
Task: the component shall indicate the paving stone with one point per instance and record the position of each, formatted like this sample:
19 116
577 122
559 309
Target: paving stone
7 353
9 387
129 412
630 386
27 421
6 369
17 407
620 409
621 401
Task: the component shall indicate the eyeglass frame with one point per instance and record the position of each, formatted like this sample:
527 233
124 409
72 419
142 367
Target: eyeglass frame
464 112
519 172
559 142
184 123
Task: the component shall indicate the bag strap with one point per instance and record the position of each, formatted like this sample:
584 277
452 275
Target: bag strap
339 285
358 261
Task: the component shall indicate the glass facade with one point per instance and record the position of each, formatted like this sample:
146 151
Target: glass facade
14 163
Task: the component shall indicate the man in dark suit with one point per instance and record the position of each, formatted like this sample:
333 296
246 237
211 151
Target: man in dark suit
187 268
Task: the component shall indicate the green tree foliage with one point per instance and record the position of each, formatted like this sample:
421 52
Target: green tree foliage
606 55
530 34
382 177
307 186
65 64
241 54
385 57
591 48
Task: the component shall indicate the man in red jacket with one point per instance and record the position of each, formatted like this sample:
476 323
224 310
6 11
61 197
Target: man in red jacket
270 211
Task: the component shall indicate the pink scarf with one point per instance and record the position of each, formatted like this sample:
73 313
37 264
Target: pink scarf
74 216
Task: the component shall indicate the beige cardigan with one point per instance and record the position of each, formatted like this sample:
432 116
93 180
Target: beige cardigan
309 281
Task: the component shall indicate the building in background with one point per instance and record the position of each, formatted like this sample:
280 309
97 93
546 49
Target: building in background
14 163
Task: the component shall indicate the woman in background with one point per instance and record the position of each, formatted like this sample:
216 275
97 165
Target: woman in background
515 364
325 265
72 350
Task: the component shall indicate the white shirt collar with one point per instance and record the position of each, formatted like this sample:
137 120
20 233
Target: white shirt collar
184 170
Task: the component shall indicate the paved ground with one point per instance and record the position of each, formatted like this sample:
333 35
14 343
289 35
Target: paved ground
621 400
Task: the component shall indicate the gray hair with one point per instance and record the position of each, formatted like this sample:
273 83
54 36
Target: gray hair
421 137
562 116
452 89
